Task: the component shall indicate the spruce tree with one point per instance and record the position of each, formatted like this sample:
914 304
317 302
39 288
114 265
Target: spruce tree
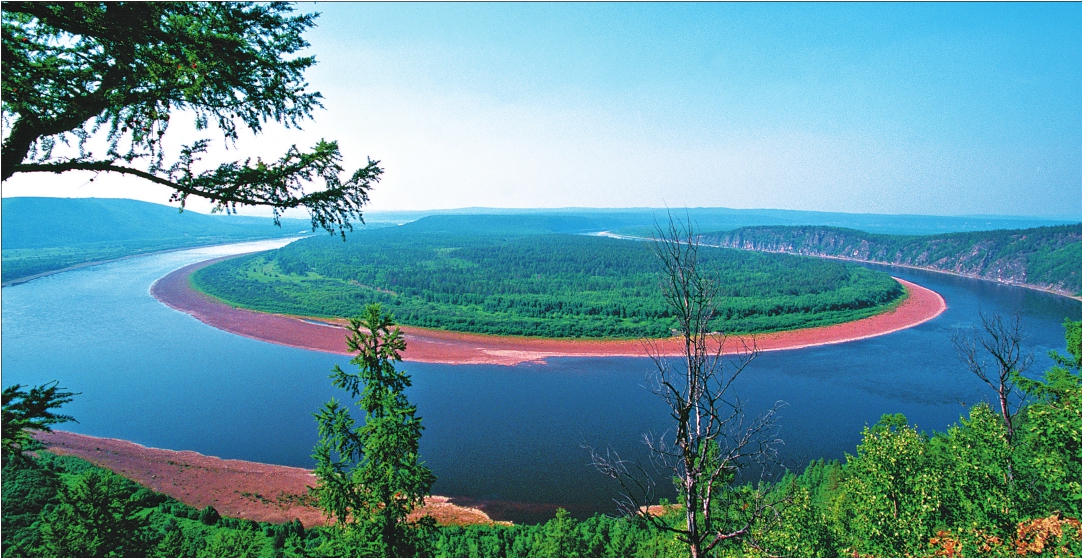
370 476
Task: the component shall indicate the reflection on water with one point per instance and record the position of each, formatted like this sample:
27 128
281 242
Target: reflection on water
509 436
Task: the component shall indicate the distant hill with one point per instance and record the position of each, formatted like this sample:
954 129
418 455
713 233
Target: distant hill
40 235
639 221
503 225
52 222
1044 257
45 234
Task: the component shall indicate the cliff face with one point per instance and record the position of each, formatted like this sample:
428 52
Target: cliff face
1046 257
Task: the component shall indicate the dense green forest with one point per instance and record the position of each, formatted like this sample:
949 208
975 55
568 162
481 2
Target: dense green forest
47 234
969 491
1045 257
486 280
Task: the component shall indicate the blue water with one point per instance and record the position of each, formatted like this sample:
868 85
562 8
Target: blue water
510 438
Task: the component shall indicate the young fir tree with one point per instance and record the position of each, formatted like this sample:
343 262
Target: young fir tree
371 476
26 411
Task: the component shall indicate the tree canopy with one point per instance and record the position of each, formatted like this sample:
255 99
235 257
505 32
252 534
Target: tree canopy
370 477
712 440
25 411
549 285
904 492
92 86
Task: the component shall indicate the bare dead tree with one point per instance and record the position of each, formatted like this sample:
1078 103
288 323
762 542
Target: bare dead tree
713 439
995 354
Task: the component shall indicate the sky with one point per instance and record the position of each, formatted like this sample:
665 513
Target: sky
938 109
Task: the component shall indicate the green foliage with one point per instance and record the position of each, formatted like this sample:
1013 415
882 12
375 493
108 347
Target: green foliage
890 499
97 516
548 285
238 543
209 516
1065 377
965 491
559 539
28 411
1052 429
968 488
597 537
65 506
1052 439
822 519
371 477
175 544
27 489
976 462
804 528
115 72
1074 346
1044 256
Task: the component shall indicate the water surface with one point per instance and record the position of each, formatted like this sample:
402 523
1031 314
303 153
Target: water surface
510 435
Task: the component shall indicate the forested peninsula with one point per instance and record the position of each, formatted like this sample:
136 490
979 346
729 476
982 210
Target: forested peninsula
1043 257
507 282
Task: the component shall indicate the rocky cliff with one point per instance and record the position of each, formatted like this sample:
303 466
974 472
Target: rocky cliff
1048 258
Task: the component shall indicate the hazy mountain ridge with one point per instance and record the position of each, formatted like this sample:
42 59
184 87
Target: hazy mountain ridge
640 221
1044 257
53 222
42 235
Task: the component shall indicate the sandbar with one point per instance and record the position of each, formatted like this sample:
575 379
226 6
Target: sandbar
447 347
242 489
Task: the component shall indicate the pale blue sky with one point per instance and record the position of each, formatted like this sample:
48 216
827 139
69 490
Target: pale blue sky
880 108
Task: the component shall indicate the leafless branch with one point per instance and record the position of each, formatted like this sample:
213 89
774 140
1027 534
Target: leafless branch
713 441
995 353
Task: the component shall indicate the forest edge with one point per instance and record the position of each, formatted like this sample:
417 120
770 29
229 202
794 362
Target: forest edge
447 347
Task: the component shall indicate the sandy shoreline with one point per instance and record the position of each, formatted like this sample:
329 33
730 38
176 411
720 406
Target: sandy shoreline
242 489
435 346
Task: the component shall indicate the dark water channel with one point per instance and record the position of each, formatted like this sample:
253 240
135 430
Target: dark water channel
510 437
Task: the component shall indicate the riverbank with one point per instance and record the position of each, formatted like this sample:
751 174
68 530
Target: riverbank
242 489
1043 289
445 347
92 263
1057 292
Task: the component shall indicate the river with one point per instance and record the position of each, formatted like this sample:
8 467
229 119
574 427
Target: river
509 438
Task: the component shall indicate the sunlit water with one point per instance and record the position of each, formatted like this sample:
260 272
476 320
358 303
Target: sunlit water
158 377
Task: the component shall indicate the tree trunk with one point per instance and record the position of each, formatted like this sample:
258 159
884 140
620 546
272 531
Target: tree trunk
16 146
1005 409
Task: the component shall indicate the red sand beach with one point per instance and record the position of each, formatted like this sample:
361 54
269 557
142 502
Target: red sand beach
272 493
426 345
